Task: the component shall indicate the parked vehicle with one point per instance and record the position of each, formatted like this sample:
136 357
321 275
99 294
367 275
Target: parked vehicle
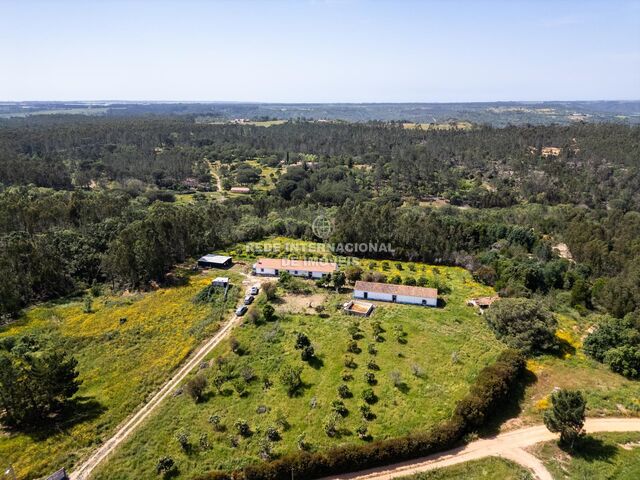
248 299
254 290
241 310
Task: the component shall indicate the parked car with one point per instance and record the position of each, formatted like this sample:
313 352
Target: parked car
254 290
248 299
241 310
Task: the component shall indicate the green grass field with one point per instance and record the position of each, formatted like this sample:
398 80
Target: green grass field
120 365
607 393
601 456
446 347
487 468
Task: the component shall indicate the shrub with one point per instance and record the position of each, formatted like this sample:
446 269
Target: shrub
273 434
372 365
242 427
339 407
183 439
523 324
396 379
349 362
363 433
353 347
370 378
410 281
291 379
196 386
165 465
302 341
371 348
308 353
203 441
216 422
365 411
268 312
344 392
270 290
368 396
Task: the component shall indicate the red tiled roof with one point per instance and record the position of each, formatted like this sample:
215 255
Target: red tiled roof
303 265
392 289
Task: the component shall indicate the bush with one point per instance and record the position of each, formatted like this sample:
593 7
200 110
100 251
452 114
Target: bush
370 378
270 290
339 407
273 434
344 392
302 341
308 353
616 342
183 440
368 396
165 465
523 324
353 347
291 379
196 386
242 426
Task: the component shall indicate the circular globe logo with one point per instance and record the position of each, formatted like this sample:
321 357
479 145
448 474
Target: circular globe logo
322 227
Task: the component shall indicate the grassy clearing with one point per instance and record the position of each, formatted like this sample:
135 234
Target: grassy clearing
607 393
120 364
601 456
488 468
445 348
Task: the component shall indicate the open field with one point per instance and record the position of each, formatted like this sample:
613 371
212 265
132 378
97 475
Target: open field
444 350
607 393
601 456
488 468
125 349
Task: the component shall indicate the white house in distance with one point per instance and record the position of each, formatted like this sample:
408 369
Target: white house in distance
388 292
298 268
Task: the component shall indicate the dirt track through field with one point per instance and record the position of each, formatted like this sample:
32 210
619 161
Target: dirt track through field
83 471
508 445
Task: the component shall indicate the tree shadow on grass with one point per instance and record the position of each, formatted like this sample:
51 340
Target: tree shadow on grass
77 410
564 349
316 363
511 408
592 449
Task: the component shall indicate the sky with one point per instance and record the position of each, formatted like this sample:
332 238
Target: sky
319 51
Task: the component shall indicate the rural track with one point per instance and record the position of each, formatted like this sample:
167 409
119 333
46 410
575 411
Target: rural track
84 470
509 445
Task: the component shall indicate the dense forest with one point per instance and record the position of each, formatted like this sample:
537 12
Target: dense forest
91 201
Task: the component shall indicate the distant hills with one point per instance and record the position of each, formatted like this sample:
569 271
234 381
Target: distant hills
494 113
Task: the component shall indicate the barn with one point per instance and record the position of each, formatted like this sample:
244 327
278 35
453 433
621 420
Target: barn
298 268
387 292
214 261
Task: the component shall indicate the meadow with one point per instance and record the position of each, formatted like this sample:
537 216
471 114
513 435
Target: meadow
126 348
419 376
600 456
487 468
607 393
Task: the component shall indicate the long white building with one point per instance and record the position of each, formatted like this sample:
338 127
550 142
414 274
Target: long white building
298 268
387 292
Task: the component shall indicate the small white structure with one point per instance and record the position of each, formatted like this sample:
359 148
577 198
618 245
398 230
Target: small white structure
298 268
387 292
220 281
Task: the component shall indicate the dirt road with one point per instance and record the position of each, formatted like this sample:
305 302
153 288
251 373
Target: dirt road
83 471
508 445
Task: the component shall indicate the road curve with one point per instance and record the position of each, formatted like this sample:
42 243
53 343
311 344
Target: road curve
508 445
83 471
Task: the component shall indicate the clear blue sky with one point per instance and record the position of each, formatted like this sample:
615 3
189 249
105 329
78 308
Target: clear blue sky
320 51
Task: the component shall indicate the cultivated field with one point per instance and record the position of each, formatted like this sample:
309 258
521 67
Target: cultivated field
126 347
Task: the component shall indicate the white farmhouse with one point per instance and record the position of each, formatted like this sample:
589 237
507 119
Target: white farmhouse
298 268
387 292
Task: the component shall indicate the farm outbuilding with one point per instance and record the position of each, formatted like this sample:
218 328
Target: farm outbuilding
387 292
240 190
220 281
360 309
298 268
214 261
